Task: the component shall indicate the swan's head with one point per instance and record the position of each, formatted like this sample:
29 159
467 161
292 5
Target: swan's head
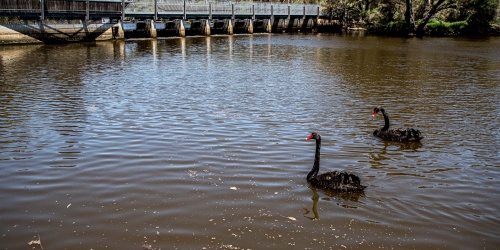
376 110
314 136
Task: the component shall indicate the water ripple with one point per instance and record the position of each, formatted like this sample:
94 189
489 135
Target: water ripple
200 143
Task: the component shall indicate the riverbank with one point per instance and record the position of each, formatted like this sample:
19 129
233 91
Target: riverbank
33 32
435 29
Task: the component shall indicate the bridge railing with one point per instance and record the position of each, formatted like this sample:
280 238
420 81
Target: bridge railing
179 7
222 8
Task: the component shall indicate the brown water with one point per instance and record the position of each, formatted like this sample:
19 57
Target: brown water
199 143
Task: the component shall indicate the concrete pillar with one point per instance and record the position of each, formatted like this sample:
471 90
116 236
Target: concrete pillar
206 29
249 24
269 27
151 29
118 32
181 30
229 26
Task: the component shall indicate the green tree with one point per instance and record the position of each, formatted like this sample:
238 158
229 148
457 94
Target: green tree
409 21
477 13
412 16
435 7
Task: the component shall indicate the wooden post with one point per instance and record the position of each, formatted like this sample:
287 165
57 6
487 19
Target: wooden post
42 10
271 21
304 18
185 15
315 23
123 10
232 11
210 10
253 11
156 11
289 22
87 11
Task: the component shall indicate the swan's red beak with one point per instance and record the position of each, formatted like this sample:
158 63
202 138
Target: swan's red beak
374 113
309 137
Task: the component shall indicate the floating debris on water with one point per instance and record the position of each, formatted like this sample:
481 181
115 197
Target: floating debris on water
36 242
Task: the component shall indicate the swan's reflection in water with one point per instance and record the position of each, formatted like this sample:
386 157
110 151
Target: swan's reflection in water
410 146
345 199
400 146
379 154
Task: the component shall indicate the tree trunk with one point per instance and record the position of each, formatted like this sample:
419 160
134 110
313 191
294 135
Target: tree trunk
432 12
410 23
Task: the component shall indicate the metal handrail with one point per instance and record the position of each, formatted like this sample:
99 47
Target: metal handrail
240 8
192 7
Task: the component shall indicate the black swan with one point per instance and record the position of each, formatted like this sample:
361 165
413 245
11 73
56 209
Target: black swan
395 134
335 180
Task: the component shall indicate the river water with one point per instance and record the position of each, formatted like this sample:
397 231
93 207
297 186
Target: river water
199 143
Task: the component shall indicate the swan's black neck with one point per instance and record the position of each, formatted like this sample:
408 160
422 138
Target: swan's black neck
386 119
315 169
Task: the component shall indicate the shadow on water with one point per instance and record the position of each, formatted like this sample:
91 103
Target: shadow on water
344 199
400 146
59 132
52 34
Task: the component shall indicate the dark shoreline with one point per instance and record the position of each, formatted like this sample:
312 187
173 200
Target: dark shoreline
16 34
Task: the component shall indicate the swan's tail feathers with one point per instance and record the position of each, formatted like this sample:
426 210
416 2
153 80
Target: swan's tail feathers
414 135
351 182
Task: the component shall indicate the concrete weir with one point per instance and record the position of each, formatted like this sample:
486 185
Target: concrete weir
40 32
136 20
169 28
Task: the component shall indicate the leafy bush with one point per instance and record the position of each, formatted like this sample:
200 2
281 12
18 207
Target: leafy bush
440 28
395 27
